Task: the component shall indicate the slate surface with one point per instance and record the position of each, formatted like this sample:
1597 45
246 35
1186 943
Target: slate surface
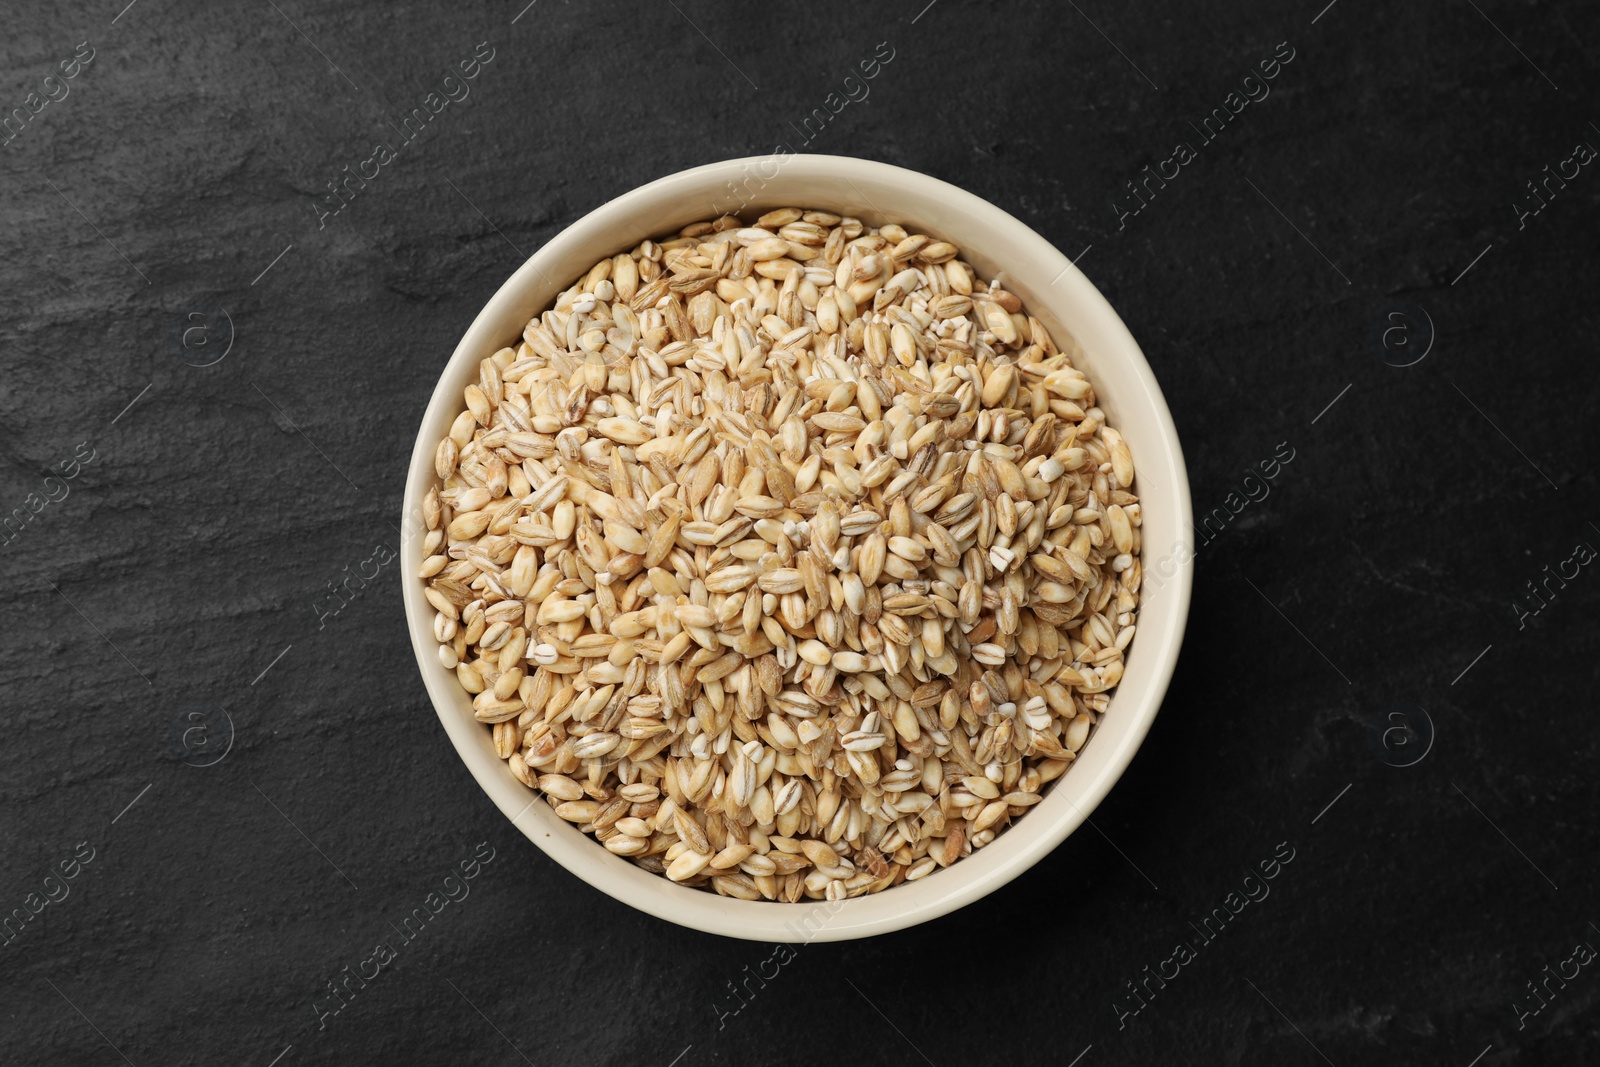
1373 202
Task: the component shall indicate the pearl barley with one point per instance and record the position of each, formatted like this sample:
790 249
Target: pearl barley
787 558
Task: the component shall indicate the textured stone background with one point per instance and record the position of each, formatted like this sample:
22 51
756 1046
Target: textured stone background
173 190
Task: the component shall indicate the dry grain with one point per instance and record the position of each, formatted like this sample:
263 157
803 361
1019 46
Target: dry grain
791 560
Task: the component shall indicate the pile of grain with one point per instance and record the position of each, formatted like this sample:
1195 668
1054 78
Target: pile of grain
790 560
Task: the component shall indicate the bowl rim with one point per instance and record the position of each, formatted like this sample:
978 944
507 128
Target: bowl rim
991 867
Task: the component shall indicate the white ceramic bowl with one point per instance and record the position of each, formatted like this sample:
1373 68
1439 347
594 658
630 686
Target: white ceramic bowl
1053 290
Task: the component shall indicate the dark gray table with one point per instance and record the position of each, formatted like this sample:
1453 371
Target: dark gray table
1350 267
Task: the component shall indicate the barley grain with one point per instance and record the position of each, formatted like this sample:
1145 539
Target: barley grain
791 560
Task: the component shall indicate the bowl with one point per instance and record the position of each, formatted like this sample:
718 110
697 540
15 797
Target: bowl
1060 296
